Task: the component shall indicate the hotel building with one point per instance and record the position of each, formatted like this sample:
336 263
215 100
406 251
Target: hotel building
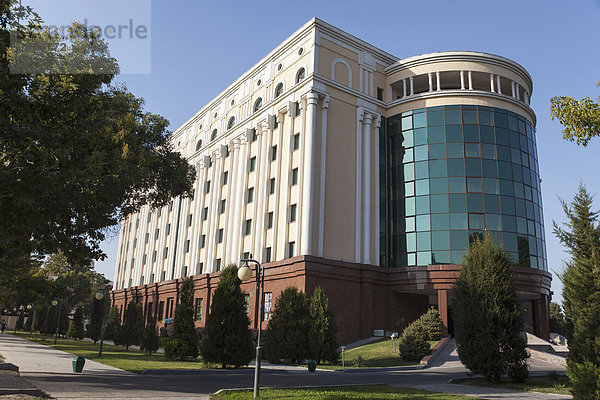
337 164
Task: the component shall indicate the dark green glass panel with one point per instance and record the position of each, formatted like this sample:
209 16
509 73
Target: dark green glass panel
505 169
410 224
472 150
458 202
408 139
517 173
422 187
438 186
509 223
503 153
473 167
420 136
455 150
521 226
441 257
436 134
440 222
476 221
506 187
409 172
515 143
491 186
459 240
409 206
420 120
475 202
453 117
454 133
485 118
502 136
458 221
439 203
471 133
423 258
469 116
421 153
421 170
437 151
487 134
423 241
474 185
457 185
520 207
423 223
512 123
407 123
437 168
490 169
492 203
519 190
456 167
457 257
500 119
435 118
440 240
492 222
488 151
422 204
529 209
411 242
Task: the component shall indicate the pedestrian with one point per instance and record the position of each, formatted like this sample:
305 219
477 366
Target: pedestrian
3 326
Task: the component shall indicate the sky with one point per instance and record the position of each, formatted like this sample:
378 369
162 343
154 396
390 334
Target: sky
192 50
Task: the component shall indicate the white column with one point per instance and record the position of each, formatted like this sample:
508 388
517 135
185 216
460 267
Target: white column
366 191
240 199
437 81
498 86
371 85
233 200
323 171
390 93
281 181
196 223
462 80
517 91
358 200
260 210
309 166
492 83
412 86
361 78
512 87
213 216
376 250
404 88
229 203
430 77
470 77
526 97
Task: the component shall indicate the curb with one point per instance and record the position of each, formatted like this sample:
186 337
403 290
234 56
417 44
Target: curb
428 359
297 387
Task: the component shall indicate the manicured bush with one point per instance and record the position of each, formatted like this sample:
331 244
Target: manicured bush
183 343
149 340
432 324
75 330
113 325
413 345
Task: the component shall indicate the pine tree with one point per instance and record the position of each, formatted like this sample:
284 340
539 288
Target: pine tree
41 316
133 323
97 319
149 341
413 345
227 339
581 293
76 328
183 342
113 325
287 333
487 315
432 324
557 319
20 321
322 336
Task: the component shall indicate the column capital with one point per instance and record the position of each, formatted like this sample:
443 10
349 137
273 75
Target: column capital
311 97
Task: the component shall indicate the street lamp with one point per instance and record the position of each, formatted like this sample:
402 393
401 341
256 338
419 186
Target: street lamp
99 297
245 274
54 304
16 315
29 309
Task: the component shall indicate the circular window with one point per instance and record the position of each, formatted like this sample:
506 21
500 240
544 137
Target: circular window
279 67
258 82
300 51
257 104
213 134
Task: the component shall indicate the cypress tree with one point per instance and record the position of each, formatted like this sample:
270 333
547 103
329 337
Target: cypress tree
322 336
41 316
149 341
133 323
183 342
287 333
581 294
97 319
76 328
29 322
20 321
487 315
113 325
227 339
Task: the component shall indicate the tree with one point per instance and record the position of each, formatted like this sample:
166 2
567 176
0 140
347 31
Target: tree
149 340
227 339
97 319
79 153
487 315
287 333
432 324
133 323
413 345
41 317
76 328
183 342
581 118
581 293
113 325
322 336
20 320
557 319
30 318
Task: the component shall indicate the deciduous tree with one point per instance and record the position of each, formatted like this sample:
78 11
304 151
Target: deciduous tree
581 118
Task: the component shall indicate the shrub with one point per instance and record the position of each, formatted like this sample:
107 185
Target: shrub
322 336
359 361
183 343
113 325
149 340
133 323
75 330
413 344
432 324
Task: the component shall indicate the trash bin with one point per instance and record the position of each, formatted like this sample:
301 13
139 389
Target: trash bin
78 363
312 365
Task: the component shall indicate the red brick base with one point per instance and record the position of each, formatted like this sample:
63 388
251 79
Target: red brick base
362 297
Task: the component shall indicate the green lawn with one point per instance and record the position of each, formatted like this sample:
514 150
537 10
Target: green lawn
116 356
543 384
379 392
375 354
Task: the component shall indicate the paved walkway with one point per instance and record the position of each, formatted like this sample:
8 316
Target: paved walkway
51 371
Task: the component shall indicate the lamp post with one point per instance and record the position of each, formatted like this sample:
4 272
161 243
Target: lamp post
100 297
15 312
30 310
245 274
54 304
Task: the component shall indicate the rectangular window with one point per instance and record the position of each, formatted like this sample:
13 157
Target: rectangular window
220 236
170 206
296 142
294 176
202 241
165 252
246 255
225 177
198 309
252 164
247 303
267 299
149 307
187 246
154 256
163 276
218 264
156 233
134 243
379 93
189 220
151 279
293 208
137 223
147 237
171 306
272 186
184 271
168 229
222 207
207 187
144 259
161 310
142 280
204 213
291 249
248 227
199 268
273 152
269 220
268 254
250 195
